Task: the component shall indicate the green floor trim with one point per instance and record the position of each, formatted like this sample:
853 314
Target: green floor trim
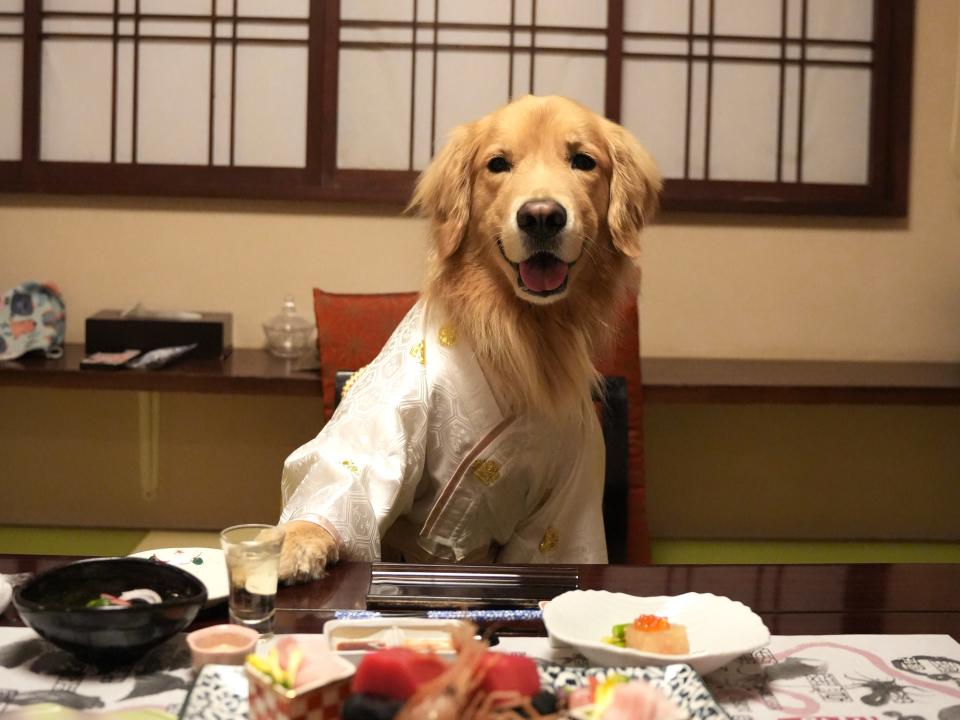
68 541
801 551
98 541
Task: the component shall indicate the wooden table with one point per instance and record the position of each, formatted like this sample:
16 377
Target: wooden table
665 380
792 599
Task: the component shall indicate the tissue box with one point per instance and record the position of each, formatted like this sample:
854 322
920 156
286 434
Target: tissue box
270 702
111 331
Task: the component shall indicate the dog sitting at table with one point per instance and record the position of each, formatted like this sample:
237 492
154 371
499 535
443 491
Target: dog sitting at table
472 437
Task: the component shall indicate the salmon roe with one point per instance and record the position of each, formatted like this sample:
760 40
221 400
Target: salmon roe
651 623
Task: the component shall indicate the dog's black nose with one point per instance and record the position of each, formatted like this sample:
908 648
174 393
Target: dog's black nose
541 219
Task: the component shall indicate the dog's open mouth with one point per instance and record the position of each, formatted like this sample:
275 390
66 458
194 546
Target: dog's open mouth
541 274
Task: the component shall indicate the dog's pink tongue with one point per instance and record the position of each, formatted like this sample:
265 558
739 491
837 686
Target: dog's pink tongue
541 274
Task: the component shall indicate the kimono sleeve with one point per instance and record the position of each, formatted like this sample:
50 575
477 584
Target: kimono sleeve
360 473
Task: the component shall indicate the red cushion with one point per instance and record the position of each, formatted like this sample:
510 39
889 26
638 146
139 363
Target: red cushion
624 362
351 330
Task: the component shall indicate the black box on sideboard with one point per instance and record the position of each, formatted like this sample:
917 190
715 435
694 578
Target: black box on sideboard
112 331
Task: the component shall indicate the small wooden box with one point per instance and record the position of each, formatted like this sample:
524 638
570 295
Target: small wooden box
112 331
319 702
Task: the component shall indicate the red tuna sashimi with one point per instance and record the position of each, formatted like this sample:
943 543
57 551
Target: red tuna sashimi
395 672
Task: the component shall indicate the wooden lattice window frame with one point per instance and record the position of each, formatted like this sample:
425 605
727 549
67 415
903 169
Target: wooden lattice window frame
885 193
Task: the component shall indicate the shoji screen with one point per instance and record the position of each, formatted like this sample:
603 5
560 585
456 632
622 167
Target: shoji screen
11 74
752 90
182 82
747 105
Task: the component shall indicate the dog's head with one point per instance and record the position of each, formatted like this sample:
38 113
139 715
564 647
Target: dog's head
543 194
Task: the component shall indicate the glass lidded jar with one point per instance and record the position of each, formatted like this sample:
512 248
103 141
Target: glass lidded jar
288 334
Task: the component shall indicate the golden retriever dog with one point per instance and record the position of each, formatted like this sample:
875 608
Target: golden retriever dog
535 214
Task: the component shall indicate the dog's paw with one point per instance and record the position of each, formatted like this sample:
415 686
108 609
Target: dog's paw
307 551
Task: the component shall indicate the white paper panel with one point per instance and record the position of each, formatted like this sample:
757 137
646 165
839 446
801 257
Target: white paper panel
11 26
793 51
833 52
743 138
98 26
422 109
522 38
126 27
224 29
794 18
654 109
11 90
496 38
271 121
376 10
791 116
466 11
523 12
174 103
221 105
176 28
521 74
660 46
581 77
276 8
11 5
224 7
835 144
840 19
175 7
125 101
746 49
698 123
670 16
425 11
747 17
374 103
127 6
378 35
701 16
275 31
576 13
78 5
563 40
75 100
469 85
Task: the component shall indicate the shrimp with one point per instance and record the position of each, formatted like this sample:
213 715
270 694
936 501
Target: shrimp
455 694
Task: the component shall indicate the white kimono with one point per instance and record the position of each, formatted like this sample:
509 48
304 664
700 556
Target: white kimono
420 463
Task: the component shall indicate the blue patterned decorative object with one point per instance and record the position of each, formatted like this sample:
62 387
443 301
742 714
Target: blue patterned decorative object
680 683
32 317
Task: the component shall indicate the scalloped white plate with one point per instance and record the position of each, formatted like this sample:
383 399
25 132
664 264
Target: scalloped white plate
719 629
206 564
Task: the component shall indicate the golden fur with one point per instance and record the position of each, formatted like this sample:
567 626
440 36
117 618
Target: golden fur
539 354
537 351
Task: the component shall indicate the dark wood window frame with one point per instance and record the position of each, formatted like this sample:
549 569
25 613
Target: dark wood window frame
885 194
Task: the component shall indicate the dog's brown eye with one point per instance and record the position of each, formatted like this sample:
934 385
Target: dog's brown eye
582 162
498 164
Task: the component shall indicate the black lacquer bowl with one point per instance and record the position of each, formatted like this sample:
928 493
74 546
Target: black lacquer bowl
54 605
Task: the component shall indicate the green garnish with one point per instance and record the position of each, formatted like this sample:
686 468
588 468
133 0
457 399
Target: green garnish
99 602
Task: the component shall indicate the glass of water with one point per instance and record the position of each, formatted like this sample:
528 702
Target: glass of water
252 553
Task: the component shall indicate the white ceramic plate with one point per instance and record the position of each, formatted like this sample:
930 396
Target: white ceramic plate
6 590
348 637
719 629
207 564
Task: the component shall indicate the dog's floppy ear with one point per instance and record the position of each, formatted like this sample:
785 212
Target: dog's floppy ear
634 189
443 190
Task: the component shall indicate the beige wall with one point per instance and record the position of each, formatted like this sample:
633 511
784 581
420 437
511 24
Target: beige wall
714 286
